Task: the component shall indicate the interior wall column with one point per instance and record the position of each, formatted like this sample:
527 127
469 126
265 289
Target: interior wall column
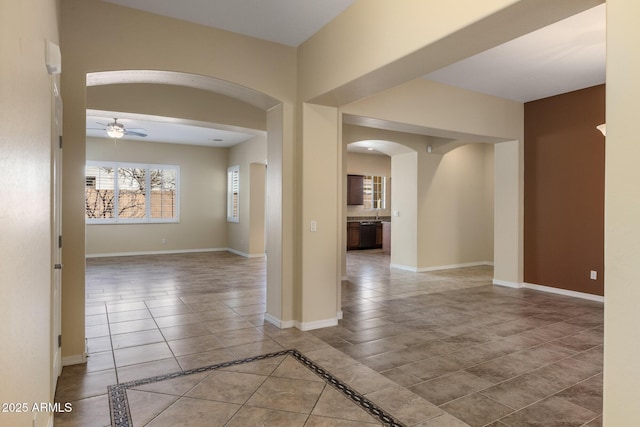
320 217
622 210
404 214
509 214
279 216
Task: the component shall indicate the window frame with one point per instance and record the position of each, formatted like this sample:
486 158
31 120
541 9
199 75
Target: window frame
147 219
231 215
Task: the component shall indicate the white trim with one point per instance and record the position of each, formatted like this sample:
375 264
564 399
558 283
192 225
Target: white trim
244 254
564 292
317 324
339 315
403 267
50 422
549 289
76 359
507 284
440 267
343 278
282 324
167 252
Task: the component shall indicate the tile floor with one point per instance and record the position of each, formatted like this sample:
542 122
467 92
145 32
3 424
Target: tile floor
433 349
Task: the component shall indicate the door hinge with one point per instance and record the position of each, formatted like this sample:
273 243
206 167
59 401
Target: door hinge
60 242
59 340
60 140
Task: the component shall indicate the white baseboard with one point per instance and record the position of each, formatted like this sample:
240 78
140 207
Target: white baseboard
167 252
76 359
403 267
508 284
244 254
549 289
439 267
303 326
565 292
282 324
317 324
339 315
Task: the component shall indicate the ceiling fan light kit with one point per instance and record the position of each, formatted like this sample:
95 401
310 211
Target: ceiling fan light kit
115 129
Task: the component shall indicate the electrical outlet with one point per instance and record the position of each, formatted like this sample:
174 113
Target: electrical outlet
164 241
314 226
594 275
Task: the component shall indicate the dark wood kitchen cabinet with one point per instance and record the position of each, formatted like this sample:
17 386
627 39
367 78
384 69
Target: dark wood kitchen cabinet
353 235
355 185
379 235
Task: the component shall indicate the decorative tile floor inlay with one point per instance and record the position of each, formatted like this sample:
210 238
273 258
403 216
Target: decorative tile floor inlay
121 412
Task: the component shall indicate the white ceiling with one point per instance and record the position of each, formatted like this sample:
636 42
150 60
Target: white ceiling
168 130
565 56
288 22
562 57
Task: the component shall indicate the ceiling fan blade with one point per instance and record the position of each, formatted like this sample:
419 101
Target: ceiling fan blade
102 124
96 129
128 132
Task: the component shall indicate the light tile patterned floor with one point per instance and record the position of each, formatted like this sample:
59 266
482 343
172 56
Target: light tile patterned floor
433 349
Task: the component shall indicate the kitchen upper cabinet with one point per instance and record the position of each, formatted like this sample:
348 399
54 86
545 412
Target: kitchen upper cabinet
355 185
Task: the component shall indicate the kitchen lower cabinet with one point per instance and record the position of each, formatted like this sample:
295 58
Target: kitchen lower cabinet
353 235
364 235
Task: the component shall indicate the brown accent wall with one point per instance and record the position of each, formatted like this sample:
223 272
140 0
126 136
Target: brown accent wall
564 191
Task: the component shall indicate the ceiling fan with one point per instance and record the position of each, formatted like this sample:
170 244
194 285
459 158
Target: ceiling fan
117 130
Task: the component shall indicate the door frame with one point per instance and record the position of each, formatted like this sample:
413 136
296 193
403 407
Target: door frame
56 231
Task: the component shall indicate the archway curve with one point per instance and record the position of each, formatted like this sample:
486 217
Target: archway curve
176 78
277 306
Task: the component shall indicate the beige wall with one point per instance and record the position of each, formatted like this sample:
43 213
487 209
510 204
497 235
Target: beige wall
25 214
176 102
622 210
444 206
257 206
247 236
370 164
203 192
454 218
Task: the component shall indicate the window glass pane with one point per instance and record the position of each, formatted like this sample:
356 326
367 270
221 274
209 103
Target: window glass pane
378 192
131 192
163 193
99 192
367 192
373 192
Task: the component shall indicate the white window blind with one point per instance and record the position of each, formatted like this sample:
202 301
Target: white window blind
127 192
233 194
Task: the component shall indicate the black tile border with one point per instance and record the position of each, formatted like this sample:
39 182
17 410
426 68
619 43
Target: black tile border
121 416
